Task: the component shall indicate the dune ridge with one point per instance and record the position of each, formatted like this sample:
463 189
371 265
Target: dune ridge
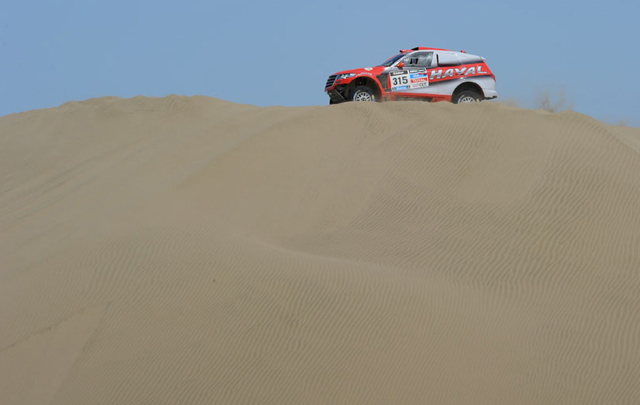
192 250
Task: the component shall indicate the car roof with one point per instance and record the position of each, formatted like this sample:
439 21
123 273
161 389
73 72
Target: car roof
422 48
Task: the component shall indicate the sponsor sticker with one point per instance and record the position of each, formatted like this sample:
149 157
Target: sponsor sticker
419 80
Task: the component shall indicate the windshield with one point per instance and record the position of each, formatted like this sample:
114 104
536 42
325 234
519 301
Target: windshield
392 60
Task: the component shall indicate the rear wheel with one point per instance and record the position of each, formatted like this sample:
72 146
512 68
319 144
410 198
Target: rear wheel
363 93
467 96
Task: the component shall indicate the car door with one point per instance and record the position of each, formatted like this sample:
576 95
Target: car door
413 78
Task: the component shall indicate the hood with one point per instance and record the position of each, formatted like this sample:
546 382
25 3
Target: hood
375 70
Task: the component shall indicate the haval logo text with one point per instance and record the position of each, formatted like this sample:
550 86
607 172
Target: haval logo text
437 74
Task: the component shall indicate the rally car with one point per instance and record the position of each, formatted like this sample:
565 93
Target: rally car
431 74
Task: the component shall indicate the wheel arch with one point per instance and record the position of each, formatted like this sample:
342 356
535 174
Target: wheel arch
365 81
468 86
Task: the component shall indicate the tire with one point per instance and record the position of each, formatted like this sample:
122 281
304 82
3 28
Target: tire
331 102
363 93
467 96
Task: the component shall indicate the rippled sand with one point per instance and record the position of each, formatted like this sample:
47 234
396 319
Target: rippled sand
194 251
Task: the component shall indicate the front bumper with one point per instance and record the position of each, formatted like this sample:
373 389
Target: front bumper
336 88
336 94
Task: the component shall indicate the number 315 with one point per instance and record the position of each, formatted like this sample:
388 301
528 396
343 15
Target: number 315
400 80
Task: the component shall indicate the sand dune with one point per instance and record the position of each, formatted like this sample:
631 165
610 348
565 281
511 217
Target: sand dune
194 251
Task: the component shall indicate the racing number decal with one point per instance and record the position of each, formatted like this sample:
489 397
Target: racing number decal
412 79
401 80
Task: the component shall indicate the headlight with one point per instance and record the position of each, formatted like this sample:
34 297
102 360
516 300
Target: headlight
345 76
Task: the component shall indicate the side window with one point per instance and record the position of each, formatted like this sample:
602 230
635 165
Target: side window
448 59
420 59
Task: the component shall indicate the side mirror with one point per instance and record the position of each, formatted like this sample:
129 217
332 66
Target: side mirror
400 65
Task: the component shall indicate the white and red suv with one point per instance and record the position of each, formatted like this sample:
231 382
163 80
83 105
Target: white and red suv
430 74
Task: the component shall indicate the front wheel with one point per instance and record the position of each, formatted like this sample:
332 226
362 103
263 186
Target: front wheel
363 93
466 96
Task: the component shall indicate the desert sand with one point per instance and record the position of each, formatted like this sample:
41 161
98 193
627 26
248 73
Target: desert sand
187 250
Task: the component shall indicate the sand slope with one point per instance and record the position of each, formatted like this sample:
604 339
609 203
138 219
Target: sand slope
194 251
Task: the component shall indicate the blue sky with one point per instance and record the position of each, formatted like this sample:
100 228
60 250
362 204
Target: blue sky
280 52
